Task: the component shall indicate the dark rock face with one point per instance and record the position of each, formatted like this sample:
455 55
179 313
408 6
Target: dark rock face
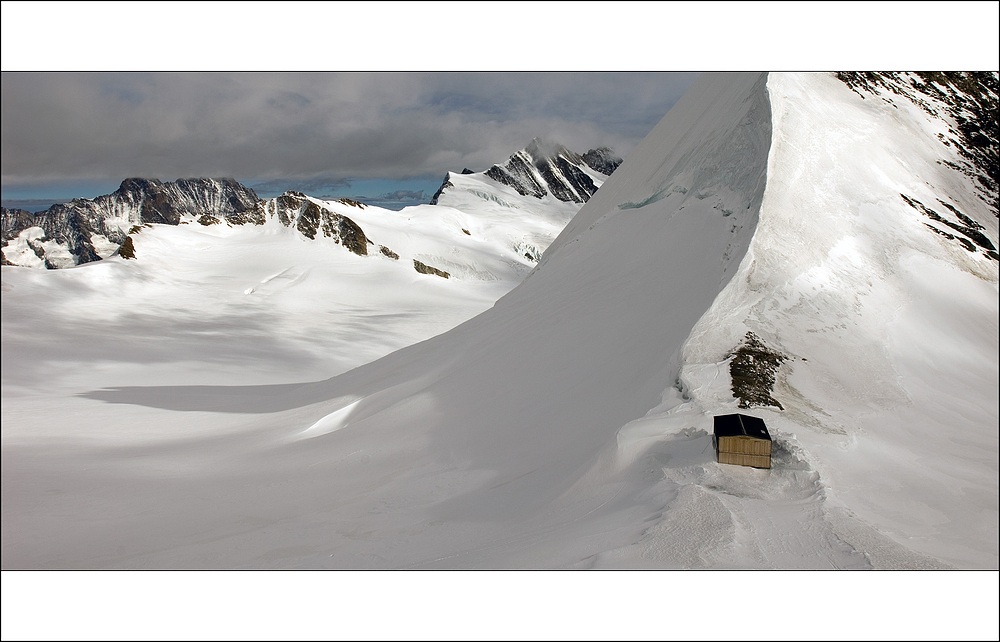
286 207
352 203
13 221
558 188
581 182
500 175
571 184
426 269
970 98
519 174
127 250
36 247
294 209
351 234
309 219
142 201
561 170
753 371
386 251
444 185
967 227
80 231
547 168
602 160
165 203
249 217
137 200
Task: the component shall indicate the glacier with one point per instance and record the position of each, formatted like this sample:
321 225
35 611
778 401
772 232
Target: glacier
568 425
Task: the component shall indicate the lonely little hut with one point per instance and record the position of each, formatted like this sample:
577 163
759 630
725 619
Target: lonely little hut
742 440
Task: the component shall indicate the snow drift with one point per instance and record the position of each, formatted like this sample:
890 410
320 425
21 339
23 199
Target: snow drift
568 426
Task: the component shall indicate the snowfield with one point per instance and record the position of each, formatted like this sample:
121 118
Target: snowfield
237 403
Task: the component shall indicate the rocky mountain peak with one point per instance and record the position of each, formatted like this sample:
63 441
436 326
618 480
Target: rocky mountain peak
75 226
547 167
542 151
602 159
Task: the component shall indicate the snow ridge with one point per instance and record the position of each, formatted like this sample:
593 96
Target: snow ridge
569 426
846 275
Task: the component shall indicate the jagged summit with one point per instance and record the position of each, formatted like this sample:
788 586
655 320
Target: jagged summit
542 149
779 216
87 230
546 167
602 159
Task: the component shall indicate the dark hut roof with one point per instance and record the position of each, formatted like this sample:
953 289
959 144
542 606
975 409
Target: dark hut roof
735 425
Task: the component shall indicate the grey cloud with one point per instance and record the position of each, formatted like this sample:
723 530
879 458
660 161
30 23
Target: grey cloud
310 186
276 126
404 195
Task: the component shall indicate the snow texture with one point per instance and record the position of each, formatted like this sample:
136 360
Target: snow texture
568 425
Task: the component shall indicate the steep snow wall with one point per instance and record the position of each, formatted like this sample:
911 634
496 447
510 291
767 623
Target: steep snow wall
531 390
890 328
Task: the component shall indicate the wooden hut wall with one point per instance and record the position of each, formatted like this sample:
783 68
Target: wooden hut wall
742 459
746 445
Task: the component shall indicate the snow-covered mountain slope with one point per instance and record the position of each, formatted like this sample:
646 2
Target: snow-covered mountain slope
321 287
569 425
543 168
86 230
530 198
340 283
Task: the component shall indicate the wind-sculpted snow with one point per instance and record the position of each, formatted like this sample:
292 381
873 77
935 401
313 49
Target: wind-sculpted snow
890 391
472 449
568 426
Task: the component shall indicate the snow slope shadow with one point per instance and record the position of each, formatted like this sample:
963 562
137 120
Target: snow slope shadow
233 399
476 439
568 426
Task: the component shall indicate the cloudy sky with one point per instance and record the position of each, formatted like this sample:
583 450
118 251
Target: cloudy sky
318 131
70 131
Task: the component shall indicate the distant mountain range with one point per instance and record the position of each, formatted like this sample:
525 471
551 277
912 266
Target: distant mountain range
814 250
87 230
